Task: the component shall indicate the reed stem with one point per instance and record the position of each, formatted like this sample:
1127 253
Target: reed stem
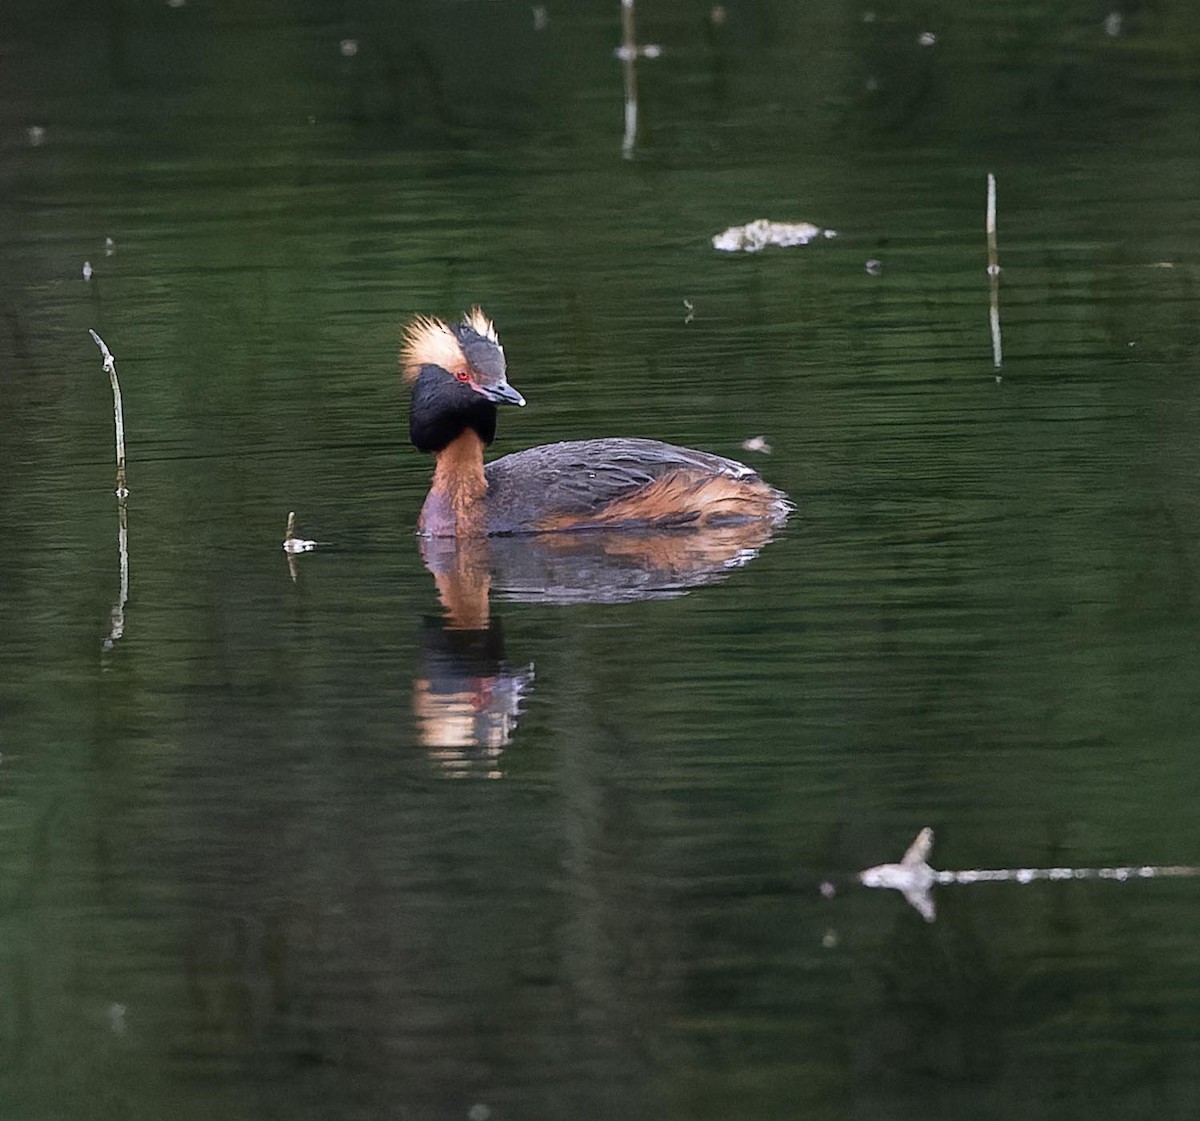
629 52
993 269
993 257
110 367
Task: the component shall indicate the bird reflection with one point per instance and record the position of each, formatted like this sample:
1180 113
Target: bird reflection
467 697
598 566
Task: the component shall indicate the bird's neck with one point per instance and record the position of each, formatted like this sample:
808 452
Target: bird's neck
454 507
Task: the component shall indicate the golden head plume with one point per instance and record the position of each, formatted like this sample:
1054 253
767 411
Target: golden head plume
480 324
429 342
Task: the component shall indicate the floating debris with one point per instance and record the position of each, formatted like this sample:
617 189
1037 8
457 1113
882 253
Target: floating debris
756 444
718 15
914 878
540 18
762 232
36 135
1112 24
176 3
110 247
628 53
927 39
87 270
690 308
874 266
348 47
294 544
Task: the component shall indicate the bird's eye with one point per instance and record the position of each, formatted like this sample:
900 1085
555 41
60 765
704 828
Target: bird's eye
462 375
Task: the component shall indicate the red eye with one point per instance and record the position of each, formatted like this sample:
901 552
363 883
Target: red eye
462 375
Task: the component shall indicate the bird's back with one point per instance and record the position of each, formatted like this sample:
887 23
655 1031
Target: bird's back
581 484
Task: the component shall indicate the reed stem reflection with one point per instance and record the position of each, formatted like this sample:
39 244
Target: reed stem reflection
117 620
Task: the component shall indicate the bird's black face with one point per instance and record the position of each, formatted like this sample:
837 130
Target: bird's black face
443 408
459 376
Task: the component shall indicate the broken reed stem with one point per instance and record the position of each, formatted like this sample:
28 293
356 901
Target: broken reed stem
629 58
110 367
117 619
993 269
993 257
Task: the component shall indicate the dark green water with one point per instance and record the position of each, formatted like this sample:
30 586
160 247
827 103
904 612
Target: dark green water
294 849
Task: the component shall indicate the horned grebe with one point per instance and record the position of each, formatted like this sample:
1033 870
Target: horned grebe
458 376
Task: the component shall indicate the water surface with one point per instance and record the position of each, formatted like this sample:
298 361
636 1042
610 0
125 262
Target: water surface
314 846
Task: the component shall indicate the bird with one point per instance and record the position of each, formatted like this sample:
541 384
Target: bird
458 376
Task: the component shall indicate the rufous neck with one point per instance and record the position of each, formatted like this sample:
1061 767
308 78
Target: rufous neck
454 507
